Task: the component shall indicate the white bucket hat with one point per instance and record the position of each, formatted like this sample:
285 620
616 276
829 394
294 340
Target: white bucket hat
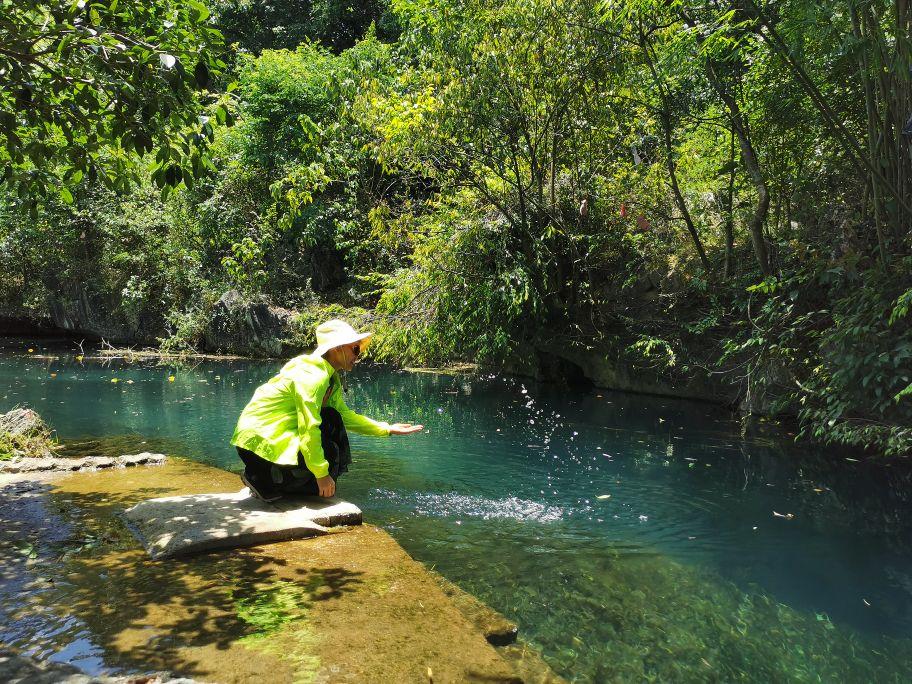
336 333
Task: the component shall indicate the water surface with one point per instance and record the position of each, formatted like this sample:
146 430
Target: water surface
631 537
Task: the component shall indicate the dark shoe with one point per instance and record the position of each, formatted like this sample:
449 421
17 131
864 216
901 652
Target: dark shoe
257 493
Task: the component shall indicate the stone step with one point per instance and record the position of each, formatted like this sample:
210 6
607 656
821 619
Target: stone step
180 525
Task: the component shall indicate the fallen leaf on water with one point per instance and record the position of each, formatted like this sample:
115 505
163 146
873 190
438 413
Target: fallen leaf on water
603 496
53 375
170 378
114 380
866 602
787 516
31 350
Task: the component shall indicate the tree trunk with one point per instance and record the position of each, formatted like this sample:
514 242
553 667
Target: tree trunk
749 156
873 122
679 197
730 212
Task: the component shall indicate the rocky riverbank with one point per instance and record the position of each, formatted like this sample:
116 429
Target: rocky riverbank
57 464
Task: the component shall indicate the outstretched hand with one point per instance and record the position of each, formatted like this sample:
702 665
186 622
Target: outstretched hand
404 428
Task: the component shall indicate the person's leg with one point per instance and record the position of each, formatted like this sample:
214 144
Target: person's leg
334 439
258 474
336 450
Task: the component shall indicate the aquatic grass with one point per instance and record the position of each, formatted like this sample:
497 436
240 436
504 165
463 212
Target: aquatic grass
277 613
644 617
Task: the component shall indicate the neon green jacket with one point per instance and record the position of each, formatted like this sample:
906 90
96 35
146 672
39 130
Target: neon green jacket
283 417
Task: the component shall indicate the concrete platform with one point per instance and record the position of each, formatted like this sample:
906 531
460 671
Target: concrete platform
180 525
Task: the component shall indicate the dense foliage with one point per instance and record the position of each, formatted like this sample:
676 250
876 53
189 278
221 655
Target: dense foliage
715 190
86 88
278 24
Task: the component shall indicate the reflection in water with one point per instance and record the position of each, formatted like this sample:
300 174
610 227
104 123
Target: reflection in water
630 537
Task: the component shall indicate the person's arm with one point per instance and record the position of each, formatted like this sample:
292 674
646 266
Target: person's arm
355 422
368 426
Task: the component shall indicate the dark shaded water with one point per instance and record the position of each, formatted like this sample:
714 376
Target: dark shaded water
631 537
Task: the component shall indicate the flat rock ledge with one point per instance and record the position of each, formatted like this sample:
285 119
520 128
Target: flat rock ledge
180 525
18 669
60 464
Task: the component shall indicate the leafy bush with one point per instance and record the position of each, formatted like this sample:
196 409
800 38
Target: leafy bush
835 347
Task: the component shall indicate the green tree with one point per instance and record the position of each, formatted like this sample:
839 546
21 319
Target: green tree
87 88
284 24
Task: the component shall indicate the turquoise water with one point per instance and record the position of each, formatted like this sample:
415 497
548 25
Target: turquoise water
630 537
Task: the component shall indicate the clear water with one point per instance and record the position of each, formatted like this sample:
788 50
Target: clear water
630 537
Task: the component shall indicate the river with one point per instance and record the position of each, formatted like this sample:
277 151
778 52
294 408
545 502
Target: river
631 537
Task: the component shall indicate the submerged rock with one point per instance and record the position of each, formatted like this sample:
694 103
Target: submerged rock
498 630
15 668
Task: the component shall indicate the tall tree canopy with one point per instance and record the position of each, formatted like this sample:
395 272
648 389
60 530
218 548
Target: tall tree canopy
722 185
87 87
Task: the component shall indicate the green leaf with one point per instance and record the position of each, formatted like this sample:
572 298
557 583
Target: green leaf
199 11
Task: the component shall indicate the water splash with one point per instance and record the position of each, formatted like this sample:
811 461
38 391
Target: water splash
461 505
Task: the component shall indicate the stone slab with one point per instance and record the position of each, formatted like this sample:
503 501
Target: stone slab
179 525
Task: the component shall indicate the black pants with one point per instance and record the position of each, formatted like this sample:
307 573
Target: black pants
272 479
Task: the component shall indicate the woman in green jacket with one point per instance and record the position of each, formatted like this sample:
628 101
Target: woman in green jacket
291 435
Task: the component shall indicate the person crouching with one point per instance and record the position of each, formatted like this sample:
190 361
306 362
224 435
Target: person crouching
292 436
